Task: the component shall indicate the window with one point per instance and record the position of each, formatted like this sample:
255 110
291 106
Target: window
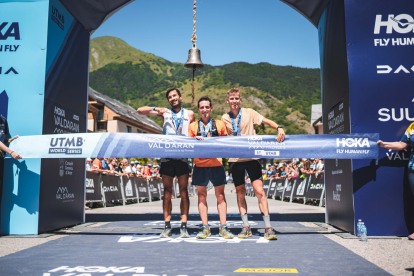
100 114
128 129
137 130
100 126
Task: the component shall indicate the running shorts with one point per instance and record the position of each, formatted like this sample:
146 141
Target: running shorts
253 168
203 175
174 168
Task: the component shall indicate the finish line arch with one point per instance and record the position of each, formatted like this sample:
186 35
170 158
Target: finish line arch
50 75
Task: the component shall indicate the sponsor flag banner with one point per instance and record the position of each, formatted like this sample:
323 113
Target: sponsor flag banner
93 186
110 185
128 183
316 187
340 146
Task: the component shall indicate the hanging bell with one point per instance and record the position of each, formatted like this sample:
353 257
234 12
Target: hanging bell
194 59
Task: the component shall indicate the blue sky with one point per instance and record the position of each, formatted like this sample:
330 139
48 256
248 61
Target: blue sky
228 31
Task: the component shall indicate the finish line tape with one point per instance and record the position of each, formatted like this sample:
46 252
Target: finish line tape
83 145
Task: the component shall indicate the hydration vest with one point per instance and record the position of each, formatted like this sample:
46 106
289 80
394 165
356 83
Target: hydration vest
213 128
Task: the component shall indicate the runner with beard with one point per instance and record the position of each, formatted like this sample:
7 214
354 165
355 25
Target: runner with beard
241 121
176 122
209 170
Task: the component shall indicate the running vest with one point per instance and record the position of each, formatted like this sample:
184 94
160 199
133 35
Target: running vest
213 128
170 128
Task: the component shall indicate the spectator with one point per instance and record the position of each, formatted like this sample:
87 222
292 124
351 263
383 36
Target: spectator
131 170
97 164
105 163
89 164
113 167
139 171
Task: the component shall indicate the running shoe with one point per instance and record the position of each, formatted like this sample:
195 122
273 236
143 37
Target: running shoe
204 233
225 233
184 233
166 233
411 237
245 232
269 234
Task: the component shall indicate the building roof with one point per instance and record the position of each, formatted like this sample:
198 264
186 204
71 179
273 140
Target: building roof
316 112
124 110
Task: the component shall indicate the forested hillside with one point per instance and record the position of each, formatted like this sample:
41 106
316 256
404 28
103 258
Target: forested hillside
282 93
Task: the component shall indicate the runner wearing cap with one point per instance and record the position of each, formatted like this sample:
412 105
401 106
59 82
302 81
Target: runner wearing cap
241 121
209 170
176 122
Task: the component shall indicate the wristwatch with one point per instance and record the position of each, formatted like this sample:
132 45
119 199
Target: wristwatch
279 127
154 108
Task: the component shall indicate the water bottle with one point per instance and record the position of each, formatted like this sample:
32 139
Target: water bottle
363 233
359 228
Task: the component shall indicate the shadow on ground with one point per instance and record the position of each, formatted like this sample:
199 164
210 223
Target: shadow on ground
304 217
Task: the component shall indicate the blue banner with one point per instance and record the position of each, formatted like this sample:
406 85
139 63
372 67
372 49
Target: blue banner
341 146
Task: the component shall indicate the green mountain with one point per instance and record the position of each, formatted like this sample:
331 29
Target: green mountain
282 93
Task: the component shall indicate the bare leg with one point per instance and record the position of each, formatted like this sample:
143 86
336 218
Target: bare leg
185 201
261 196
166 202
221 203
202 204
241 199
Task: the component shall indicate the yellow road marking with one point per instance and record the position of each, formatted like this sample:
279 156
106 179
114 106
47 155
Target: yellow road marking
267 270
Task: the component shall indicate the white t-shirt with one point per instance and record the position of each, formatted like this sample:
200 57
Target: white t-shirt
130 169
170 128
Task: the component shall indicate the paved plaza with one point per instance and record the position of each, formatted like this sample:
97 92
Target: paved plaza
123 240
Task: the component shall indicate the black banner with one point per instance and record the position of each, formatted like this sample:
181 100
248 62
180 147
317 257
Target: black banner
289 187
300 188
161 187
111 187
316 187
266 186
280 185
272 187
153 186
142 188
128 184
249 189
93 187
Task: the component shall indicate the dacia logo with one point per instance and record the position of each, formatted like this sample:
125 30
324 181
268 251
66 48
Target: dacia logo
12 31
402 23
386 69
352 142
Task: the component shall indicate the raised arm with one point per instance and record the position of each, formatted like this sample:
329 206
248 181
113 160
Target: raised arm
15 155
392 145
280 131
151 111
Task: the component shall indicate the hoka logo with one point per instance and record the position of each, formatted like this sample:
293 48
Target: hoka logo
13 30
352 142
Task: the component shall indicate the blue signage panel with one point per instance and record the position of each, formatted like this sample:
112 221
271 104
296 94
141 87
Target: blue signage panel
380 47
23 36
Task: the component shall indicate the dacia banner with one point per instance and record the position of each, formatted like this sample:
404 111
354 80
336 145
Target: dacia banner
341 146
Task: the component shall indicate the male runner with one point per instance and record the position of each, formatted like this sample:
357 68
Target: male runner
209 169
241 121
176 122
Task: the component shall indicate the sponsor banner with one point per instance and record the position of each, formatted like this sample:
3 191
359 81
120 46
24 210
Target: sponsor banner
280 185
153 186
380 44
357 146
111 187
161 186
142 188
266 185
272 187
300 189
128 184
289 187
316 187
93 187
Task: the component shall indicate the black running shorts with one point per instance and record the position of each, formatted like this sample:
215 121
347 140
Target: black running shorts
253 168
174 168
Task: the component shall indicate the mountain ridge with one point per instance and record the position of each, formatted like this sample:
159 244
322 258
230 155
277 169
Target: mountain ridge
282 93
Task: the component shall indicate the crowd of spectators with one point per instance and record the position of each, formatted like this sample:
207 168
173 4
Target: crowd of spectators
121 167
296 168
